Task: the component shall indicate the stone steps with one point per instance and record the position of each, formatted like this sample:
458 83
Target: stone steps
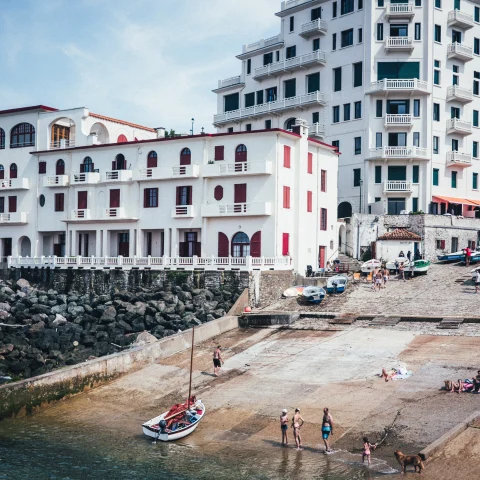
450 323
385 321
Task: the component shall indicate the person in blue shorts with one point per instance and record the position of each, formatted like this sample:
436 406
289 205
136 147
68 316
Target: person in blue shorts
327 428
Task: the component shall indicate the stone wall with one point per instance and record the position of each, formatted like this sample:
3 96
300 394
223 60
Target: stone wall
267 287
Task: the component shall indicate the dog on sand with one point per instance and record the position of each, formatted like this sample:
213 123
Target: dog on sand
405 460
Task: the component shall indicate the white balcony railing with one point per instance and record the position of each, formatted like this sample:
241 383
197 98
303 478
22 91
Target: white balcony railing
263 43
63 143
459 158
236 209
398 120
118 212
230 82
290 64
56 181
85 178
222 169
83 214
460 94
399 10
398 152
397 186
118 176
316 130
399 43
315 98
13 217
14 184
460 51
167 173
459 126
413 85
460 19
183 211
314 27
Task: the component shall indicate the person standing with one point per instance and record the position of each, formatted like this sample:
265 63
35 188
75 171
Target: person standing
401 269
477 281
468 256
366 450
327 428
409 254
284 426
378 279
296 425
217 361
385 277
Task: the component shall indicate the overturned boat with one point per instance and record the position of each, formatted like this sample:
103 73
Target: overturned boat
314 294
370 265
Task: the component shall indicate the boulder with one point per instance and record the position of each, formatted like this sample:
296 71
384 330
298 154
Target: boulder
22 283
59 320
37 327
143 339
108 315
6 349
5 307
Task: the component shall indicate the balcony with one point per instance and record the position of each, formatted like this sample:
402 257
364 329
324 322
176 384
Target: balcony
290 65
412 86
63 143
399 44
313 28
168 173
461 127
56 181
222 169
13 218
14 184
457 18
459 94
183 211
292 103
397 186
404 153
237 209
393 120
316 130
115 213
83 214
118 176
262 45
89 178
460 52
458 159
230 84
394 11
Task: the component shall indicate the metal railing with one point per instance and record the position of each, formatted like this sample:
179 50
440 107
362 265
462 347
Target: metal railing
290 63
397 186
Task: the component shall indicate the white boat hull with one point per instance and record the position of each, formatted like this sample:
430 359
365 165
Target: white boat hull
370 266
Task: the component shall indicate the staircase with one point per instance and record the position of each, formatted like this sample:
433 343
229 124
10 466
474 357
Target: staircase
353 265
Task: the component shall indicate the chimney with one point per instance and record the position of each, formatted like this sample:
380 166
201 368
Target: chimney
160 132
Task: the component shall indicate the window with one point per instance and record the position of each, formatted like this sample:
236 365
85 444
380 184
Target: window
249 66
291 51
277 55
360 35
437 36
476 46
2 204
241 153
397 139
290 88
334 41
248 127
475 150
13 170
380 32
380 3
316 44
416 139
59 202
399 30
323 180
378 174
436 72
454 179
438 3
436 112
476 14
185 157
346 112
267 59
42 167
357 74
456 4
271 94
475 181
2 138
415 204
315 13
230 129
218 193
416 108
310 163
60 167
337 79
378 140
476 83
358 145
2 172
454 145
456 36
336 114
260 97
440 244
122 139
418 31
231 102
184 196
323 219
292 24
358 110
249 100
152 161
435 176
150 198
286 156
309 201
336 144
315 117
454 112
286 197
334 10
435 144
313 82
475 118
356 177
347 38
379 108
219 153
240 245
12 204
416 174
22 135
268 124
360 4
418 3
346 6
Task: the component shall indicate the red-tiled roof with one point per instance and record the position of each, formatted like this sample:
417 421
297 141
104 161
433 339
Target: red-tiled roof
123 122
28 109
400 234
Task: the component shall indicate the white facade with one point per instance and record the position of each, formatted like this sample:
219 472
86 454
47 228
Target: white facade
197 196
406 69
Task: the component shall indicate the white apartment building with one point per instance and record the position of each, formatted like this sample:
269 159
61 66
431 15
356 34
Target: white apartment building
393 84
96 191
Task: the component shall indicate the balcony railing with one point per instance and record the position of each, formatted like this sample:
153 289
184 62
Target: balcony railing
290 64
459 159
118 176
399 43
115 212
183 211
82 214
399 152
460 52
222 169
231 82
412 85
313 28
399 10
14 184
316 130
397 186
455 125
263 43
13 217
315 98
236 209
167 173
398 120
460 19
459 94
56 181
63 143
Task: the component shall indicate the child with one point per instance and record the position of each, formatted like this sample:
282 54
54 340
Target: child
366 450
284 426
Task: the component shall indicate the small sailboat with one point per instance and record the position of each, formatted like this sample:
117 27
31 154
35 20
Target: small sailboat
314 294
337 284
370 265
400 261
181 419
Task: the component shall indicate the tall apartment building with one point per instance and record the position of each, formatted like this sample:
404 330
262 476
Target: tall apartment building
393 84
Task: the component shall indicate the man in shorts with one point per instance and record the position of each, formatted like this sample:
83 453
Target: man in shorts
284 426
217 361
327 428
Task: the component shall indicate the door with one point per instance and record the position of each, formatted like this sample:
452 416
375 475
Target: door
240 197
149 243
115 198
190 244
7 247
124 244
454 244
12 204
321 257
454 145
82 200
456 36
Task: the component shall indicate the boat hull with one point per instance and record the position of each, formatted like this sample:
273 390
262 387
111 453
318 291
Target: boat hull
370 266
314 294
401 260
341 284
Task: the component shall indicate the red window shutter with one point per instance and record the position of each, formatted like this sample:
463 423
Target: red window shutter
218 192
220 152
13 171
60 168
115 198
286 156
114 165
310 163
198 249
241 153
183 249
185 157
2 174
323 180
309 201
285 244
122 139
42 167
61 202
82 168
12 204
321 257
323 219
145 197
178 195
82 200
240 193
286 197
442 244
256 245
152 160
189 195
223 245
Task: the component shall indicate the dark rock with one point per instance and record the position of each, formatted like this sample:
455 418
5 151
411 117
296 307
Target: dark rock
37 327
108 315
125 326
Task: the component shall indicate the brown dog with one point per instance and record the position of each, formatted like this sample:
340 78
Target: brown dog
405 460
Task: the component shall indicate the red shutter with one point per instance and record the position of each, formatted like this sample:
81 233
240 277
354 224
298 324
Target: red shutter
61 202
240 193
220 152
310 163
183 249
82 200
323 219
122 139
42 167
241 154
323 180
286 156
442 244
285 244
114 165
321 257
13 171
309 201
145 197
223 245
115 198
185 158
12 204
60 169
178 196
2 174
152 160
82 168
286 197
198 249
256 245
189 195
218 192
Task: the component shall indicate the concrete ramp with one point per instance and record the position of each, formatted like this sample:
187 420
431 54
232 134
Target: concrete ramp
267 319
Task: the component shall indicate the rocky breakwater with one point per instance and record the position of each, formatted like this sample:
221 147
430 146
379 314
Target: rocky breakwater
43 330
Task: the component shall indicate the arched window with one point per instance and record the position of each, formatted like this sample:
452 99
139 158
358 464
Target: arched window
87 165
240 245
344 210
13 170
241 153
290 123
119 163
152 160
218 192
22 135
122 139
2 138
185 157
60 167
2 172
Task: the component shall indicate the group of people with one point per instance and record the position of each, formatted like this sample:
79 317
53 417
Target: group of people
380 277
467 385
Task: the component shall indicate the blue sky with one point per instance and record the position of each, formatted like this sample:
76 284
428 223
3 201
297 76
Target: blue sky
152 62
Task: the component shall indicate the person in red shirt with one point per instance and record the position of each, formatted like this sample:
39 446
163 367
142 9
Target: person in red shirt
468 256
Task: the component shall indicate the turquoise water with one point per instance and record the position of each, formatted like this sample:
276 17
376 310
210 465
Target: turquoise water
35 449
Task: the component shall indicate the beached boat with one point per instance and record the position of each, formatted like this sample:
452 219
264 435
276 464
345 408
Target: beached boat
370 266
314 294
452 257
419 266
400 261
293 291
337 284
475 258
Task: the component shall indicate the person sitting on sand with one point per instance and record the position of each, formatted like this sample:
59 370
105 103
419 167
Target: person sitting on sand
387 376
451 386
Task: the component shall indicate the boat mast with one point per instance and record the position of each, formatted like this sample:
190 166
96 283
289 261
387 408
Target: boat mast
191 368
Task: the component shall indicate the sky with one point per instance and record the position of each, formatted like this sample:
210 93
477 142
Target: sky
152 62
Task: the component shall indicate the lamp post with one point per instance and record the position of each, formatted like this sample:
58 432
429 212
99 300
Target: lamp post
191 131
360 209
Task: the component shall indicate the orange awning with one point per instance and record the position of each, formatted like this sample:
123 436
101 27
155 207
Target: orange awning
461 201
